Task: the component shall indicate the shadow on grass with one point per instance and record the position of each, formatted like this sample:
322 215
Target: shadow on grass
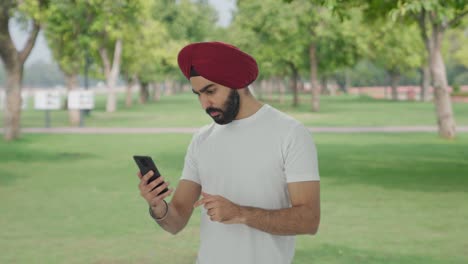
405 166
337 254
21 154
24 155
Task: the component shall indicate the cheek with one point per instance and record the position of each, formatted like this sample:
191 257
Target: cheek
221 98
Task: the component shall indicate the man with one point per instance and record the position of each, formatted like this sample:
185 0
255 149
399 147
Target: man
255 168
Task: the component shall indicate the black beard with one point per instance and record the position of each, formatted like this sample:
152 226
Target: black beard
231 107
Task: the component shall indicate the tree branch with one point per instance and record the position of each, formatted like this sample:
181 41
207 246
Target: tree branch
422 20
117 57
457 18
23 55
7 48
105 61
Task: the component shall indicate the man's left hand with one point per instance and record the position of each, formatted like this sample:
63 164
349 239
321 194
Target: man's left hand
220 209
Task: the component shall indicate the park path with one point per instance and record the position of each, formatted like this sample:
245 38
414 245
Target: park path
191 130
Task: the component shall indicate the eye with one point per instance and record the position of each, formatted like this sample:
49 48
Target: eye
209 92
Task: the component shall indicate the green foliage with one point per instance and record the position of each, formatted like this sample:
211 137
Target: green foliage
66 29
164 27
191 21
270 32
394 46
442 11
31 10
455 46
279 35
341 43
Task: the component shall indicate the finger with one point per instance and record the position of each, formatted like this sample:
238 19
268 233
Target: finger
199 202
204 194
159 189
144 180
214 218
148 175
150 186
211 212
139 175
210 205
205 200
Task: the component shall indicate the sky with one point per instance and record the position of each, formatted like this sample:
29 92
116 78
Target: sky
41 51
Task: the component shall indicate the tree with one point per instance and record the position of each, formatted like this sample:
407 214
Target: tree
109 21
65 30
149 56
396 48
298 35
270 31
31 12
434 17
186 21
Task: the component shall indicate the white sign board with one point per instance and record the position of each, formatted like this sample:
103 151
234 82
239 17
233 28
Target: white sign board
80 100
3 100
24 100
47 100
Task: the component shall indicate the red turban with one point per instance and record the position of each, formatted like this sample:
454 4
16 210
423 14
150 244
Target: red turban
220 63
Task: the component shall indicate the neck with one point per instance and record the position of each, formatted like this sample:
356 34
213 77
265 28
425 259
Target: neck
248 106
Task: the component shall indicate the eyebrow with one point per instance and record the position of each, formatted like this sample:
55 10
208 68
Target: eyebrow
202 90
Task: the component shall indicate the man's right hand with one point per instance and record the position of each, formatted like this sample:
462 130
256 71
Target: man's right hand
151 196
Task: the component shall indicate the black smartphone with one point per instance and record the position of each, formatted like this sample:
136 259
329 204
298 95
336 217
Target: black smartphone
146 164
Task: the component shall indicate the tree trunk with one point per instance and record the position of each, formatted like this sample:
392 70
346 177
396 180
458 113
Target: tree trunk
442 100
294 78
394 81
270 89
129 91
13 62
12 115
73 114
282 90
347 85
324 83
156 91
300 85
426 67
343 79
315 87
144 92
112 73
167 87
425 82
263 85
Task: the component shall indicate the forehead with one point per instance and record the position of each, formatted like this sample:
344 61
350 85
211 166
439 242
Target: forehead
198 82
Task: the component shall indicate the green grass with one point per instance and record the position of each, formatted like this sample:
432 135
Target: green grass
386 198
183 110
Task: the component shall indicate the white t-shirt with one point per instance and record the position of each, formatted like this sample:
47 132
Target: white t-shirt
249 161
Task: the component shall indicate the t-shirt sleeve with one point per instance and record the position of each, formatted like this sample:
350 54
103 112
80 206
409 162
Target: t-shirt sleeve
300 156
190 171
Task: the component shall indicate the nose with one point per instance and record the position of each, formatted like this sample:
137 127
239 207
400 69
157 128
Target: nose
205 102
